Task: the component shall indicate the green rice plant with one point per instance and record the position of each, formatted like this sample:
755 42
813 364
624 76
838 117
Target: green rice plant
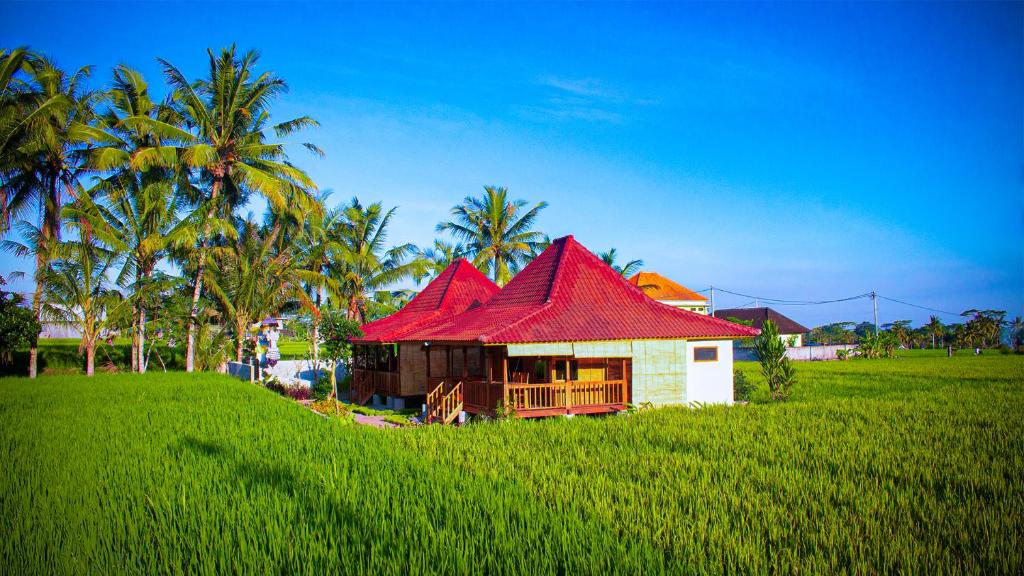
907 465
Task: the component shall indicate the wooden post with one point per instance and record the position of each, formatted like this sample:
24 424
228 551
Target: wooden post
504 377
428 366
465 363
568 392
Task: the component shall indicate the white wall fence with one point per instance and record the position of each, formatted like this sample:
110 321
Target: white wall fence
800 353
287 371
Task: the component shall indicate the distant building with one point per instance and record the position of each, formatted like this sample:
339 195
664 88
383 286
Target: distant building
668 292
788 328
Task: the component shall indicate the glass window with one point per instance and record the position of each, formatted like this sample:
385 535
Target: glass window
705 354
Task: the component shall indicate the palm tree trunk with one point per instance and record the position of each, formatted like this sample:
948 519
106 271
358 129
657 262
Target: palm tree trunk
90 358
239 339
135 342
142 339
190 338
37 302
316 331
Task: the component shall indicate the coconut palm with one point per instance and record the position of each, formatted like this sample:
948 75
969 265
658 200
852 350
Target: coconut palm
228 117
78 290
496 231
935 329
41 172
439 257
139 195
365 265
626 270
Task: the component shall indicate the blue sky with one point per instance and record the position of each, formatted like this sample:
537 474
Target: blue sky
797 151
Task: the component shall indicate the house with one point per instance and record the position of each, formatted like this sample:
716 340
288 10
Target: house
567 335
790 331
668 292
385 361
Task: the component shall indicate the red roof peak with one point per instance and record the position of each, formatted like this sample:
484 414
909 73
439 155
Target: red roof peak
568 294
456 289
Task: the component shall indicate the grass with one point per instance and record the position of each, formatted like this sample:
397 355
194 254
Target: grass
912 465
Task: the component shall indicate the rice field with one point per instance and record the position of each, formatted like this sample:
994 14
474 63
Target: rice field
912 465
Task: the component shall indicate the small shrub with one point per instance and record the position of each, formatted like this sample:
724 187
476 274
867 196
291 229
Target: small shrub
504 410
742 387
842 354
322 388
1005 349
777 369
399 420
300 392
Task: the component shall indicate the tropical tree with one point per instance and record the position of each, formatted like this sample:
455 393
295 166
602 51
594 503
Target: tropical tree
935 329
139 199
626 270
78 290
228 115
19 328
250 278
775 365
364 264
496 231
440 256
45 155
1017 331
900 330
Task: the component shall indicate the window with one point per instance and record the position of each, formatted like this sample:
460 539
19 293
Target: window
705 354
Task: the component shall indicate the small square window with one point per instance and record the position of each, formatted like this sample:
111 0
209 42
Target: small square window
705 354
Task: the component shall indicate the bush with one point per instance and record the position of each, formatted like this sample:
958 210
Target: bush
322 388
1005 349
777 369
842 354
742 387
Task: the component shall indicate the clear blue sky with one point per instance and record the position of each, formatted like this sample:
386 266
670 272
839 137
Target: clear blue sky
801 151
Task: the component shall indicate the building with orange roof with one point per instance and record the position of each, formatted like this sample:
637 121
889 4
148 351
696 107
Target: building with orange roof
669 292
569 335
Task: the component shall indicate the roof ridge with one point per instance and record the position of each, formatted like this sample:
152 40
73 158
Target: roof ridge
558 267
448 285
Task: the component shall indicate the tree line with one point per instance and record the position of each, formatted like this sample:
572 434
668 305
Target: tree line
130 206
981 329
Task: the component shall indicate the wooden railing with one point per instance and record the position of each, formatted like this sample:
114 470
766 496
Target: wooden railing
480 396
366 383
567 395
444 402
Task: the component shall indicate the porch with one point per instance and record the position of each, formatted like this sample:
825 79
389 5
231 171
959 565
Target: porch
533 386
374 371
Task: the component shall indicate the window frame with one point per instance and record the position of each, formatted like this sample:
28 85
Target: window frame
713 348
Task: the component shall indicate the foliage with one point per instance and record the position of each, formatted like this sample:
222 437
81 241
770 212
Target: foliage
777 369
742 387
842 354
228 478
496 232
625 270
741 321
18 325
323 387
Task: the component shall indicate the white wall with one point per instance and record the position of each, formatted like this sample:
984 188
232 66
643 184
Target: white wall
709 382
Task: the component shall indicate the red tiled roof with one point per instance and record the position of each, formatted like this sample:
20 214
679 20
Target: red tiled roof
660 288
460 287
569 295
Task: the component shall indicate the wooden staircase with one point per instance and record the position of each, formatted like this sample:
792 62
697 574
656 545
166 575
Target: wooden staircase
444 403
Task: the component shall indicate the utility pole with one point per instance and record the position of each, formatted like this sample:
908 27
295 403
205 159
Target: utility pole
874 305
712 300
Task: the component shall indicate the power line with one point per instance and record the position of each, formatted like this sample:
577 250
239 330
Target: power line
917 306
781 301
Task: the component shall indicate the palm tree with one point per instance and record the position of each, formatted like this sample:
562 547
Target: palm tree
364 265
497 233
228 114
440 256
1017 331
139 196
77 287
42 171
935 329
626 270
251 279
